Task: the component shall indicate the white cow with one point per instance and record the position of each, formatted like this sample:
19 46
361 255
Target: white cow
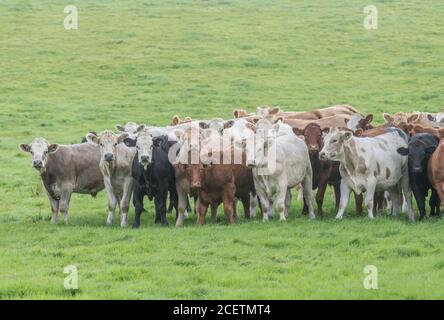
280 161
369 165
115 164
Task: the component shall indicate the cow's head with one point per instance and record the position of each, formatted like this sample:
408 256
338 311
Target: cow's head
313 135
333 144
358 121
259 149
108 142
39 150
131 128
418 154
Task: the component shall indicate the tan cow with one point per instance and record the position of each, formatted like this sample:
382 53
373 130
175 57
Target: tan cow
65 169
115 165
422 118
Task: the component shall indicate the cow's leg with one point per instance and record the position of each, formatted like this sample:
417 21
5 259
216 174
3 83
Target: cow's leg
202 207
307 189
280 200
228 208
160 201
407 192
337 190
370 198
345 194
213 207
253 204
395 197
125 201
235 208
270 211
434 203
264 204
54 208
112 201
287 202
359 199
420 199
138 204
246 205
65 197
388 201
322 186
183 203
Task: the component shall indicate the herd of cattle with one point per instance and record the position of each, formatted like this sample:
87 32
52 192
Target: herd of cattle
255 156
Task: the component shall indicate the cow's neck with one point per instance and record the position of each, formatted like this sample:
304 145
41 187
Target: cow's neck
108 168
349 158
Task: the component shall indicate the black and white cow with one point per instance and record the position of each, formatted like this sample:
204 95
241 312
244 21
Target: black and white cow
153 175
421 147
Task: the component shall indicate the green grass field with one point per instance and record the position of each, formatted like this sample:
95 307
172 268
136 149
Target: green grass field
145 61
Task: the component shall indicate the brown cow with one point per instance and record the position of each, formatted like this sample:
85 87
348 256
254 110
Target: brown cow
328 122
421 129
436 171
324 171
218 182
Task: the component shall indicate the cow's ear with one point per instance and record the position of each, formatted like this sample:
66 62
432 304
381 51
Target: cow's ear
388 118
441 133
347 135
325 131
53 147
160 141
431 117
359 132
346 120
25 147
140 128
403 151
203 125
187 119
178 134
369 118
430 149
298 132
122 137
228 124
277 119
175 121
236 113
120 128
413 118
91 137
274 110
130 142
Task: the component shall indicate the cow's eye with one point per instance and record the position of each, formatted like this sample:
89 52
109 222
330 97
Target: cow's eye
115 144
101 144
334 140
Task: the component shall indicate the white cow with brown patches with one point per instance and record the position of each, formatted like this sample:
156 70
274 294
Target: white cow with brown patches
115 164
368 165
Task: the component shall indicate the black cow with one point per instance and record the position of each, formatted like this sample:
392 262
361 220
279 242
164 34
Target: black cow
153 174
421 147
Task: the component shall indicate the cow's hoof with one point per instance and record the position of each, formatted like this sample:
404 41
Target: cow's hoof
136 226
311 216
165 224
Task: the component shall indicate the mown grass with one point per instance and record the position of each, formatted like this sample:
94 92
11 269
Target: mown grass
148 60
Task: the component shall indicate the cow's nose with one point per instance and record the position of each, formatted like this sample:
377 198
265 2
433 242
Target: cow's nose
313 148
195 184
144 158
109 157
417 169
37 163
322 155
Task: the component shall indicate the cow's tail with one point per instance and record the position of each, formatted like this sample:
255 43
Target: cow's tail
442 186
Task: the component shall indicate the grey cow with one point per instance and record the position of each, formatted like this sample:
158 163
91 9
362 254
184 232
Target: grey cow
65 169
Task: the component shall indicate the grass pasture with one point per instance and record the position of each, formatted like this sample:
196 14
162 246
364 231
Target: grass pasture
145 61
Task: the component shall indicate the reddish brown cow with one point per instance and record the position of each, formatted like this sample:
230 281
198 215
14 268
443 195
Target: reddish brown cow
324 171
421 129
436 171
221 183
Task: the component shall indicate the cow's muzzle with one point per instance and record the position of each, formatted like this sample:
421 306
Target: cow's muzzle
251 164
145 159
37 164
109 157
